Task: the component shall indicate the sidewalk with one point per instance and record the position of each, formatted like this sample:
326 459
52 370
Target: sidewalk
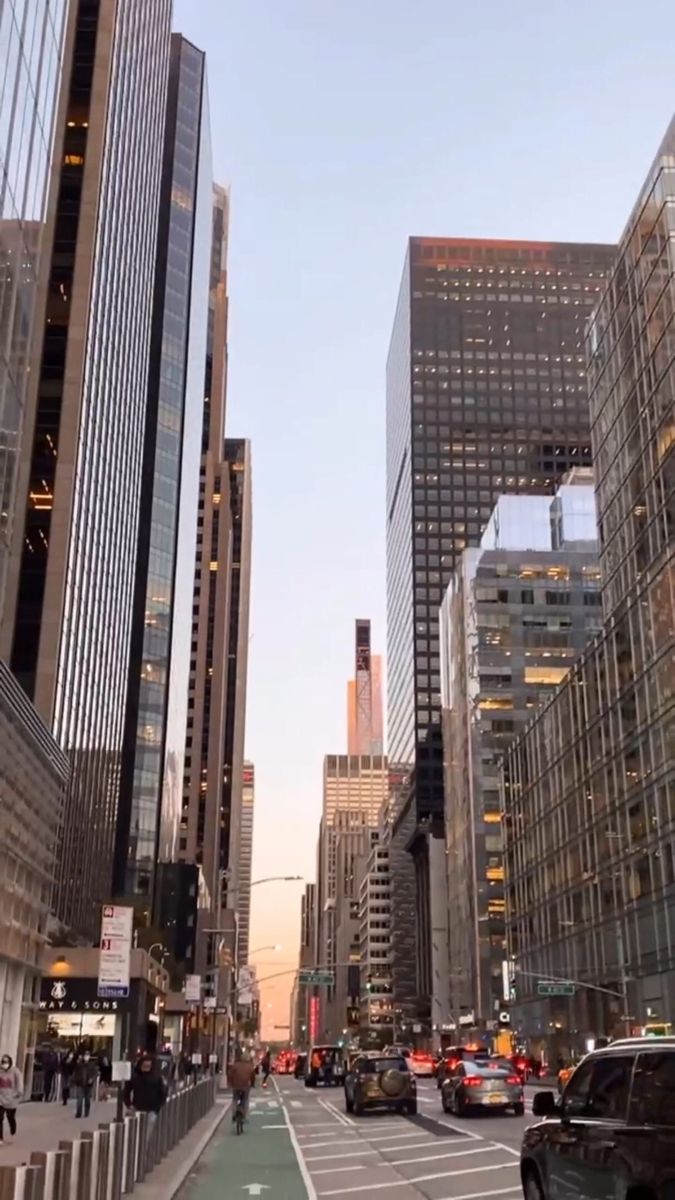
42 1126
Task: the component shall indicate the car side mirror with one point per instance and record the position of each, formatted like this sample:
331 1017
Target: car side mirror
544 1104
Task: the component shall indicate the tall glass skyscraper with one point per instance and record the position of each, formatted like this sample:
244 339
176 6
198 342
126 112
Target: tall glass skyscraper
71 581
154 740
31 41
589 788
486 393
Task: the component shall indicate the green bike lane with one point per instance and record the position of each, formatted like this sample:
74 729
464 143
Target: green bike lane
261 1162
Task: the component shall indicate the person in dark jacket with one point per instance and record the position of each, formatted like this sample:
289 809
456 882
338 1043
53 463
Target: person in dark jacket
146 1091
84 1078
67 1068
104 1074
50 1066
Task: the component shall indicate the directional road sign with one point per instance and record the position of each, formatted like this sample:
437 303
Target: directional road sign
555 989
316 978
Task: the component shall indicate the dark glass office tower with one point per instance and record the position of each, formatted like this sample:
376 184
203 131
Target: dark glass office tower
154 737
238 459
71 579
486 393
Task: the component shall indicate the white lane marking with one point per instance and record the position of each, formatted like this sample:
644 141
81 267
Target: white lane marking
340 1170
345 1154
273 1126
359 1153
317 1125
475 1137
509 1149
405 1162
296 1103
341 1117
352 1141
375 1187
393 1137
306 1177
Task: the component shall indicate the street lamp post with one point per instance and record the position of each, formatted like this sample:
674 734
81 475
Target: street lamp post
233 992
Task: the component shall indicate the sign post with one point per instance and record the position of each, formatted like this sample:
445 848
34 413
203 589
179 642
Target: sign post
114 958
554 989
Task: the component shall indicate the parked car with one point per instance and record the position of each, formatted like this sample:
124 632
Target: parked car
380 1080
473 1085
613 1131
300 1064
326 1065
452 1055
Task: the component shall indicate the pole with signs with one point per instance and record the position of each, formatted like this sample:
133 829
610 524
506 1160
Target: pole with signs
114 959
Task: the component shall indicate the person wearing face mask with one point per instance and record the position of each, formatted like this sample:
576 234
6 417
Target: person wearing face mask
84 1078
11 1094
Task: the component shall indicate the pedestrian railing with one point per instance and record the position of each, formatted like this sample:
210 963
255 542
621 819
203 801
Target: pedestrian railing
108 1162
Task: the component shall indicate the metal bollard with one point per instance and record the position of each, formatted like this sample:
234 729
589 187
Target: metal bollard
129 1155
80 1180
55 1170
102 1138
141 1146
113 1189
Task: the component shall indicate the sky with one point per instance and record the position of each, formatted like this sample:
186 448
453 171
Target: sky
342 129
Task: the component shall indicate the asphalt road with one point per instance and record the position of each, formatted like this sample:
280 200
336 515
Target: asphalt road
301 1144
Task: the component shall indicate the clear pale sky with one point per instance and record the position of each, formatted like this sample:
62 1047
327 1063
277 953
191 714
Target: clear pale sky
342 129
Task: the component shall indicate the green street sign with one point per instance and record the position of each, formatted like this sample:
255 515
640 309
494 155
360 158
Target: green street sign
555 989
316 978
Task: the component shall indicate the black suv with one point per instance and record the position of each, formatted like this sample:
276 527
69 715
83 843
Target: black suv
612 1133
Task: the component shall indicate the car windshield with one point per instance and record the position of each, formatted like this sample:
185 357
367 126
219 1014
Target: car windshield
373 1066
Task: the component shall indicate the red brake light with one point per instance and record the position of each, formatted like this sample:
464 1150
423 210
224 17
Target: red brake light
473 1080
513 1079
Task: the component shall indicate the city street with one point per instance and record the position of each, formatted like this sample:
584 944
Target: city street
302 1143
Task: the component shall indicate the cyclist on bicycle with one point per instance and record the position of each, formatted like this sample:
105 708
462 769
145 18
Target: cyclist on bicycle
241 1078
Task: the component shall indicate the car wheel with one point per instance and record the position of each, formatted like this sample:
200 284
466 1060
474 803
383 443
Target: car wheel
411 1108
519 1110
532 1188
461 1107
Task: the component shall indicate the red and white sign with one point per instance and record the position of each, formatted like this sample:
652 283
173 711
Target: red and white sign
114 956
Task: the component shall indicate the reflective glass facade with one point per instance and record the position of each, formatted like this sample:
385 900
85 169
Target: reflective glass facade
486 393
200 830
75 583
154 743
589 790
238 460
513 622
31 38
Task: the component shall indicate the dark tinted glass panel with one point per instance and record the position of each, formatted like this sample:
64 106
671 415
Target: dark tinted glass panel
654 1090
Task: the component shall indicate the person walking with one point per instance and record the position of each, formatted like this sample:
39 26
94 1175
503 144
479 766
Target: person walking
11 1095
241 1078
84 1078
50 1066
67 1068
104 1074
266 1067
146 1092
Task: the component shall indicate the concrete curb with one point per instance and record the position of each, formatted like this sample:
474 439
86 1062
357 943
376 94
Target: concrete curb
169 1176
